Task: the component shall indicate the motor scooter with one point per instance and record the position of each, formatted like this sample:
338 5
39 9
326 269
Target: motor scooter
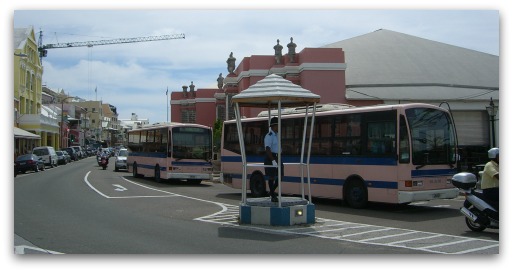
104 161
480 213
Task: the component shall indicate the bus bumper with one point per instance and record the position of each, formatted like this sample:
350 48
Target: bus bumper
189 176
407 197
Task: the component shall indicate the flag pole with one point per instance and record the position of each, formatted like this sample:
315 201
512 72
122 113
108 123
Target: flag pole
167 104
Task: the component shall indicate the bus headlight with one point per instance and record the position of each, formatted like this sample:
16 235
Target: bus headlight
418 183
414 183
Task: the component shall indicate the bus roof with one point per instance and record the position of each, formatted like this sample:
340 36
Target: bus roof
169 125
329 109
318 108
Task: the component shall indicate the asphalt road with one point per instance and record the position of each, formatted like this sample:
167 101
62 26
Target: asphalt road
81 209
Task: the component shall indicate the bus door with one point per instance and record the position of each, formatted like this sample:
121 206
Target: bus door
404 166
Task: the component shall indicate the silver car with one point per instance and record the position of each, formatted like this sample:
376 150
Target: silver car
120 162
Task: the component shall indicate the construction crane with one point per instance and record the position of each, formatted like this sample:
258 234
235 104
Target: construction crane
43 48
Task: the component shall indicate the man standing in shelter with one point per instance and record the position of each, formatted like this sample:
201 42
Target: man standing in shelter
271 158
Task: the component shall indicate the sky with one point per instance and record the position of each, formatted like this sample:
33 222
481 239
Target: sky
134 77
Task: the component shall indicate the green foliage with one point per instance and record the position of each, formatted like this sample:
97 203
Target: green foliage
218 129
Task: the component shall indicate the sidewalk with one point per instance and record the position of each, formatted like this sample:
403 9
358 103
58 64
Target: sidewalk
22 246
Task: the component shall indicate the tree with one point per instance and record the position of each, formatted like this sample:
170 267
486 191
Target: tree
218 129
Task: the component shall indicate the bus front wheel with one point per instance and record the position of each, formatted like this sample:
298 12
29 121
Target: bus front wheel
355 194
134 170
257 185
157 173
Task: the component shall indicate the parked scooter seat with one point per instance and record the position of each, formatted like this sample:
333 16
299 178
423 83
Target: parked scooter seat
494 204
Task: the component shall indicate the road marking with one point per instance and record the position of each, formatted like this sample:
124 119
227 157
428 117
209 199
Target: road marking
92 187
355 232
119 188
367 234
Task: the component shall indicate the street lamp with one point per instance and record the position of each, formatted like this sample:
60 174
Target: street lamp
492 111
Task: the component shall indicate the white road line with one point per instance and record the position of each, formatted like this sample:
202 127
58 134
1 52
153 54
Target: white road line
414 239
323 231
337 229
161 191
92 187
371 231
446 244
476 249
120 188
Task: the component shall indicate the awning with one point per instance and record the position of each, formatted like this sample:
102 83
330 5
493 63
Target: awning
23 134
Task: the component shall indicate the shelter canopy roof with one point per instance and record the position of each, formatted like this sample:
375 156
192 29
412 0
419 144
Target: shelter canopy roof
273 88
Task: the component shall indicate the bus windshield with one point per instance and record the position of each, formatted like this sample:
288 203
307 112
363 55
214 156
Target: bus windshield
433 139
192 143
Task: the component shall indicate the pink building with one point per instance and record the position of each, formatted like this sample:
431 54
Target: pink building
320 70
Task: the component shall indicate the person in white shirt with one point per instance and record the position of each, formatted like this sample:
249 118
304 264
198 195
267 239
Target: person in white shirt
271 158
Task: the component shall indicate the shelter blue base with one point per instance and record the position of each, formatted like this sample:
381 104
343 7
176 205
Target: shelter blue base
261 211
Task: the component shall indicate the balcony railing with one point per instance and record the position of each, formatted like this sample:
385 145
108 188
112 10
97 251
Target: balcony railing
37 120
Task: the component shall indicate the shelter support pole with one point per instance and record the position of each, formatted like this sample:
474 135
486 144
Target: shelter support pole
302 162
309 152
242 152
279 153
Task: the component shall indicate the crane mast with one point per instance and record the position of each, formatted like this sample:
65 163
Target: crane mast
43 48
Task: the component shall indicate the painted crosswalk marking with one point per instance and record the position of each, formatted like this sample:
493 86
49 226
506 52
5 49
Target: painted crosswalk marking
368 234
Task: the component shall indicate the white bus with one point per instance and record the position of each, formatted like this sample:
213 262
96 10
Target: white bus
171 151
390 153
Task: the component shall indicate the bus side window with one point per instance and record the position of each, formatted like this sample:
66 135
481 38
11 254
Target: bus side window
404 141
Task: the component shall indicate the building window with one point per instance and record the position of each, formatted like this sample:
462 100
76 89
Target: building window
188 116
221 112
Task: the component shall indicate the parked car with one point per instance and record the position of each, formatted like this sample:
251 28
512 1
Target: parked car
78 149
66 156
29 162
61 158
47 153
120 162
71 152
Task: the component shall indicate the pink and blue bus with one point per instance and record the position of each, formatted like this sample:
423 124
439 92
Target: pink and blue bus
388 153
172 151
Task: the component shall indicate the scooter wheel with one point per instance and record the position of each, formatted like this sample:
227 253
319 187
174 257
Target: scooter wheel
474 226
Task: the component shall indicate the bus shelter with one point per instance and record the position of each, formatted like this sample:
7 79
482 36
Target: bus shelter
275 92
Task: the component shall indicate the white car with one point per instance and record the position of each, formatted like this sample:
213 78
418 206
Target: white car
48 154
120 162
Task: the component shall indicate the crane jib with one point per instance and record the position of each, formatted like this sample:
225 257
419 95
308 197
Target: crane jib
114 41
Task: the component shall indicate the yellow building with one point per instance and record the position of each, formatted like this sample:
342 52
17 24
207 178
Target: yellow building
33 126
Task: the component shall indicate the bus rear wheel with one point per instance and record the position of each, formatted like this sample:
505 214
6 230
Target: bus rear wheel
355 194
257 185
